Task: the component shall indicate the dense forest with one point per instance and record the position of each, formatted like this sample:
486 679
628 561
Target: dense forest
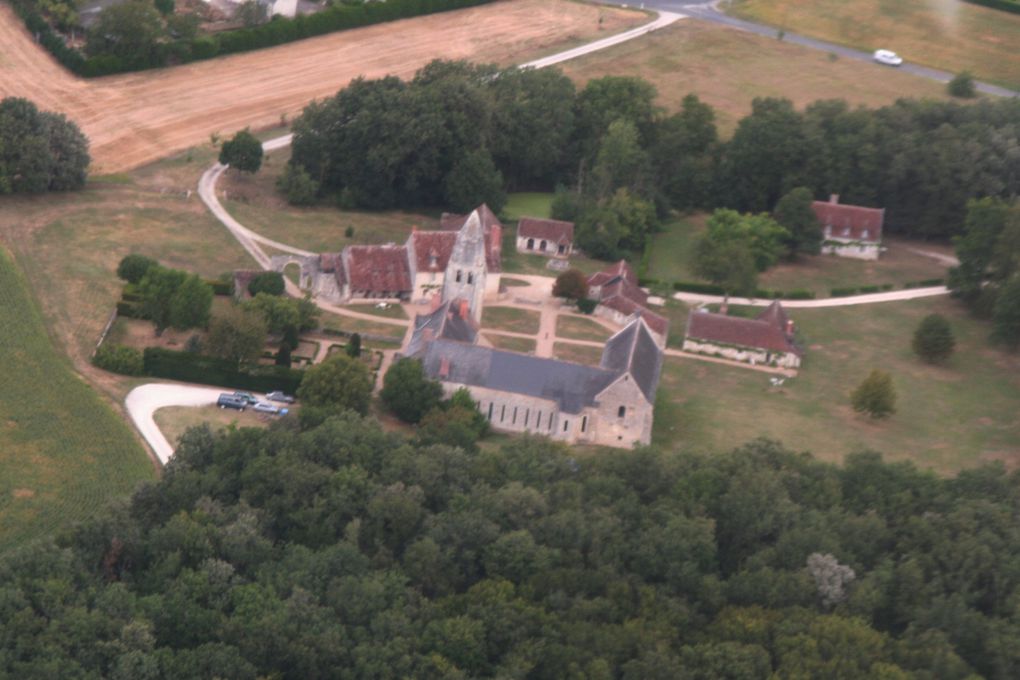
346 551
469 132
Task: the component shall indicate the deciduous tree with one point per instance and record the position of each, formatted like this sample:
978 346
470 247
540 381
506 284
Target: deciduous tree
876 396
243 152
571 284
408 392
339 383
237 334
933 340
794 213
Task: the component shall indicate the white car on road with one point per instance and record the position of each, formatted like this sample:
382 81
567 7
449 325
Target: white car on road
887 57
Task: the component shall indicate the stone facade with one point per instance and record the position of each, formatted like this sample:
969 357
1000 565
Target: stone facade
852 231
858 250
746 355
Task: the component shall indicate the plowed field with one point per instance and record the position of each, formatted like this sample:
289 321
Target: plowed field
136 118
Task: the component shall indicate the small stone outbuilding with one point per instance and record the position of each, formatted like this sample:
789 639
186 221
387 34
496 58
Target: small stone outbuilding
767 339
850 230
552 238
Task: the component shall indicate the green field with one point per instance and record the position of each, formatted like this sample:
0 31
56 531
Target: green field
949 417
527 205
511 343
947 34
63 452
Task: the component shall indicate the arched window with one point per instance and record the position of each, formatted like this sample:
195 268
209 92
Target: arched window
531 244
541 246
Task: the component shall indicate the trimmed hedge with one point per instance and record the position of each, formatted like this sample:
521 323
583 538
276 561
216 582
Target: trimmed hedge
188 367
869 289
800 295
1004 5
220 287
931 282
703 288
129 310
842 292
119 359
587 305
278 31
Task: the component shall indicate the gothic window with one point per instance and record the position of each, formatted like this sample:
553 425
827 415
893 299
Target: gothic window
541 246
490 411
566 424
502 413
527 414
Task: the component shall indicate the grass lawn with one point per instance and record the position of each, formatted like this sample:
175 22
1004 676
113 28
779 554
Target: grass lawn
672 249
728 68
174 420
335 322
511 343
63 451
948 417
579 328
581 354
390 311
947 34
510 319
821 273
533 204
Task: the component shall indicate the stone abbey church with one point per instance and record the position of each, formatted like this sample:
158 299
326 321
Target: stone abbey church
610 404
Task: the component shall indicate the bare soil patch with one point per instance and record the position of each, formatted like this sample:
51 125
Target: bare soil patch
134 119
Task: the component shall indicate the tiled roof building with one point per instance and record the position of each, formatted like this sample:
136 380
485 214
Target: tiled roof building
850 230
766 339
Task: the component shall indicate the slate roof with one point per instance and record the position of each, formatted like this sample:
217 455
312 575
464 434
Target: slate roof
572 386
553 231
634 350
431 249
377 269
765 332
852 222
491 227
442 324
658 324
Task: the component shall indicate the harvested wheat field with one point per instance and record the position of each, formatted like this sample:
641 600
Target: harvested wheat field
136 118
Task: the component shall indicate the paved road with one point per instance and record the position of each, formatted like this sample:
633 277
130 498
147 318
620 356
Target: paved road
708 11
145 400
869 299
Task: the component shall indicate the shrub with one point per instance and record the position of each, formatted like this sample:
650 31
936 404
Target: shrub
204 370
271 283
130 310
571 284
133 267
842 292
800 294
933 340
221 287
408 393
299 187
875 396
869 289
962 85
119 359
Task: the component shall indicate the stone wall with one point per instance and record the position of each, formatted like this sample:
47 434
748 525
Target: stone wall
518 413
551 249
855 250
622 416
747 355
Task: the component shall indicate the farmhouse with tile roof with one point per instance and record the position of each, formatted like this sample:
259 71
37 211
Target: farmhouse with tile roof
850 230
545 237
767 339
621 299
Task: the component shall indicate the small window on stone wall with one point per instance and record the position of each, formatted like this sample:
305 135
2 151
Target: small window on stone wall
471 277
584 423
621 412
459 274
566 424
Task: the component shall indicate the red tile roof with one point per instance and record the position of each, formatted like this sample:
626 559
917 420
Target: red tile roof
761 333
492 228
620 270
432 249
852 222
658 324
554 231
378 269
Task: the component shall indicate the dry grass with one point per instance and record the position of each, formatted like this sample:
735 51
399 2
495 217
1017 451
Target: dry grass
578 328
947 34
581 354
136 118
175 420
728 68
511 343
510 319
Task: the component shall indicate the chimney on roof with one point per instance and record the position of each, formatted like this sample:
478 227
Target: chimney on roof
463 308
444 368
834 198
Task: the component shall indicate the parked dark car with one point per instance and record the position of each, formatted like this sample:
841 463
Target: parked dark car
248 397
232 401
280 397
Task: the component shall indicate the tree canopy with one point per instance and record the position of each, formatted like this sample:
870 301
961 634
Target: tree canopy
291 554
39 150
242 152
337 384
408 392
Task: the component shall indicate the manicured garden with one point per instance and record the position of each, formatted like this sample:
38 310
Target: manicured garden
511 319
